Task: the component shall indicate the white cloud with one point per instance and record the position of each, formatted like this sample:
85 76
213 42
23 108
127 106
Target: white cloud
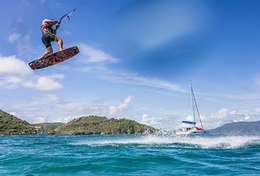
22 40
90 54
12 65
225 115
13 113
10 81
16 73
44 83
48 108
150 120
134 79
51 108
189 118
221 114
124 105
131 78
153 82
99 58
14 37
247 118
162 121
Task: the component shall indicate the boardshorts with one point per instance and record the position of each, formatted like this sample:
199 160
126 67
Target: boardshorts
47 38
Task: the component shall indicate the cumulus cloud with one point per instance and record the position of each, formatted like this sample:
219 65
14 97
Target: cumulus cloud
189 118
43 83
226 115
12 65
48 108
16 73
150 120
162 121
93 55
51 108
124 105
10 81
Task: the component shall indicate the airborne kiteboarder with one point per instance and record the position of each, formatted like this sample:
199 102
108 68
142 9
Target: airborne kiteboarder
48 36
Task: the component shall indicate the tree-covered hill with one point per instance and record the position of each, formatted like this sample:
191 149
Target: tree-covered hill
11 125
103 125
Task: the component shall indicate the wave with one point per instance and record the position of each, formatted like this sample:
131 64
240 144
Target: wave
225 142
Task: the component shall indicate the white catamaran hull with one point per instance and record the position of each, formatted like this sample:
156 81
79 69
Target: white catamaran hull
190 132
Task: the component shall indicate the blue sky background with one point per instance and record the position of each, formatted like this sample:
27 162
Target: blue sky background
136 61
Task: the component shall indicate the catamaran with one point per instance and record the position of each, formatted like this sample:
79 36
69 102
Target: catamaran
189 127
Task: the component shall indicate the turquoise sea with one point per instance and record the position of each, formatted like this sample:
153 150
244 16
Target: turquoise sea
129 155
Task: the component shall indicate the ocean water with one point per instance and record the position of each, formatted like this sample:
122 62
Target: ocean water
114 155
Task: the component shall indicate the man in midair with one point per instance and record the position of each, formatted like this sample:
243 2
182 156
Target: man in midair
49 35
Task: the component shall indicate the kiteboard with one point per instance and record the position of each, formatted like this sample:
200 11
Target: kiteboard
54 58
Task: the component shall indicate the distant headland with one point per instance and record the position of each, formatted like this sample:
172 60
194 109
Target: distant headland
11 125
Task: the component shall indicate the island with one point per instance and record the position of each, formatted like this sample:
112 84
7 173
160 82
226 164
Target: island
238 129
11 125
103 125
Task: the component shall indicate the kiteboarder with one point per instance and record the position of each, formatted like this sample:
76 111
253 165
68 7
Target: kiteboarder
49 35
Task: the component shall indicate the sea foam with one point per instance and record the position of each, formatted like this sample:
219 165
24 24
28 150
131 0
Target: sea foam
178 142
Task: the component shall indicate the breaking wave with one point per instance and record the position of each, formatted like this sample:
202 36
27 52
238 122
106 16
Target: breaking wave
225 142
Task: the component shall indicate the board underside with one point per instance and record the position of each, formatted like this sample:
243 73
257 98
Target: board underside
54 58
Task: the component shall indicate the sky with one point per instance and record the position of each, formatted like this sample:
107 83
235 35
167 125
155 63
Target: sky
136 61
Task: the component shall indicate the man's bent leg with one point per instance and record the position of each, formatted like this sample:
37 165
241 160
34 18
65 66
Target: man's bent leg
60 43
49 51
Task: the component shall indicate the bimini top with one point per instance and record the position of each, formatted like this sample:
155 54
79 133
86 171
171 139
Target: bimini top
189 122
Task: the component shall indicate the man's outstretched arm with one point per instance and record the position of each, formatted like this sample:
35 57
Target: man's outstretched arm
56 28
50 21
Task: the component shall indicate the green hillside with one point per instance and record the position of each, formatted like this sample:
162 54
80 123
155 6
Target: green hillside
11 125
103 125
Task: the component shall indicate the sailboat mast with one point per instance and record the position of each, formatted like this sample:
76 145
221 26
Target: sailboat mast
196 105
192 102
